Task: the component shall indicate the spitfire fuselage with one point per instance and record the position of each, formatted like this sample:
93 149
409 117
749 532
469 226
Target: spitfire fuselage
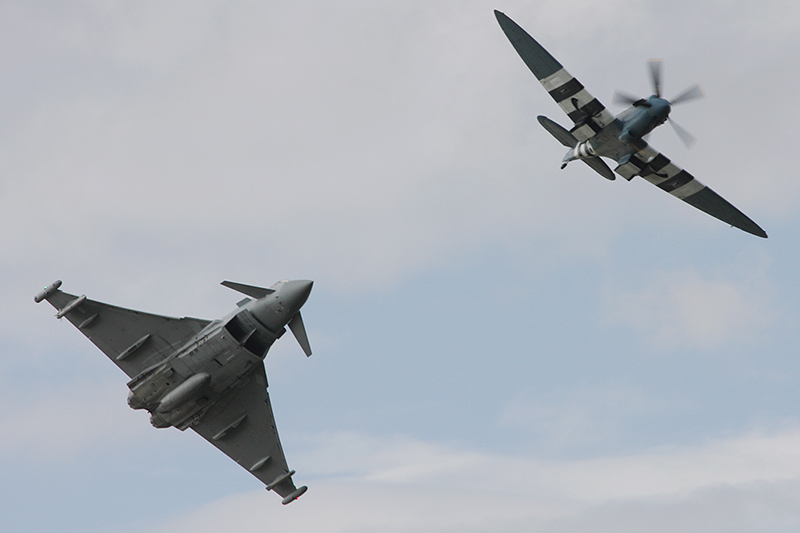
643 117
598 134
620 138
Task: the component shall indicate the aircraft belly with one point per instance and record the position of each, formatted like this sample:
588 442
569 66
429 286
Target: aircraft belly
208 375
607 144
179 365
597 134
236 364
224 359
218 356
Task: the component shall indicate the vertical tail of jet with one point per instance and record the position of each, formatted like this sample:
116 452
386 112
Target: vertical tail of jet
299 332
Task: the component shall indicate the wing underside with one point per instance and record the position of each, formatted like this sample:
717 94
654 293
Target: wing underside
133 340
586 112
661 172
590 117
241 426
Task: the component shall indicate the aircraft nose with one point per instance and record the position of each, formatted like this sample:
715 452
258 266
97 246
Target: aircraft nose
295 293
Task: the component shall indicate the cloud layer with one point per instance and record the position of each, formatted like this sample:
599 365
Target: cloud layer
498 345
401 485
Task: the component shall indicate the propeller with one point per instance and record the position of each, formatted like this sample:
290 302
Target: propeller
687 138
623 98
692 93
655 76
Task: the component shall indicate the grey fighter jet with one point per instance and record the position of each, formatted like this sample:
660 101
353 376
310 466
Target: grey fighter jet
597 133
207 375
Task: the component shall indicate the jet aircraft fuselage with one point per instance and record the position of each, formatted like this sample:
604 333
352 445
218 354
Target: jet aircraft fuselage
205 375
178 391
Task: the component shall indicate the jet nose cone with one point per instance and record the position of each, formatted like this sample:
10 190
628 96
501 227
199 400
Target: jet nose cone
295 293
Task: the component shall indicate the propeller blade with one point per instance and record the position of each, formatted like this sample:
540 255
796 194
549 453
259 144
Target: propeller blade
624 98
692 93
299 332
655 76
687 138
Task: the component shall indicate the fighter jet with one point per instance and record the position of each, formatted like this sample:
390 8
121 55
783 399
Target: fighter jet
207 375
597 133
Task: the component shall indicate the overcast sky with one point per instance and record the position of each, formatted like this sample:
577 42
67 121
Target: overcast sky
499 345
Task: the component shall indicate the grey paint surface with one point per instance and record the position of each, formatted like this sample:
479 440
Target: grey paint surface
512 211
201 374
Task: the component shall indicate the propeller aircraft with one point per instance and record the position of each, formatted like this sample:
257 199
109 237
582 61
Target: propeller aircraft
596 133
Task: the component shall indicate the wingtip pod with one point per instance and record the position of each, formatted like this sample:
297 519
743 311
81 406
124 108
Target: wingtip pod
47 291
293 496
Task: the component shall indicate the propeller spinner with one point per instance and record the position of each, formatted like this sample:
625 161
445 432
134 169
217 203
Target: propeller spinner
692 93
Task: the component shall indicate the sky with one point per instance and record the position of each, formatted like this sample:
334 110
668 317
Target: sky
499 345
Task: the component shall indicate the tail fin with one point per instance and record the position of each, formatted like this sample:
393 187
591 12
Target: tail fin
568 139
249 290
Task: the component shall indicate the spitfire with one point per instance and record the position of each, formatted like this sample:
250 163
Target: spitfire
202 374
597 134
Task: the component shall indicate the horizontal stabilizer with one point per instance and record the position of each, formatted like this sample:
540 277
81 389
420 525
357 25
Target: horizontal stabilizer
250 290
599 166
558 131
299 331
